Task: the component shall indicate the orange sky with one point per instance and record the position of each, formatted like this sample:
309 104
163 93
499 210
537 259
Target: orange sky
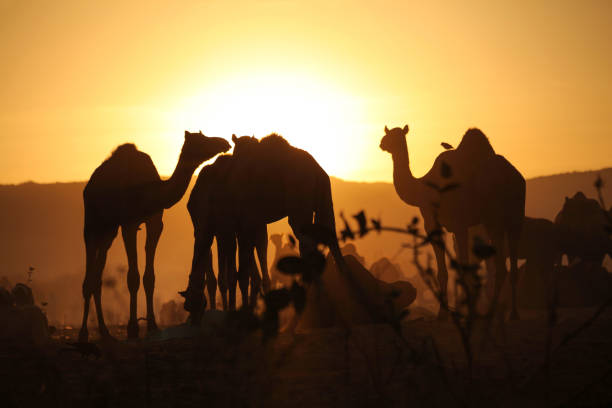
78 78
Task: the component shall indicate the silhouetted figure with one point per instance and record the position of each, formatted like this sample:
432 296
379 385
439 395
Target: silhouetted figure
582 230
490 191
20 319
214 213
126 190
272 180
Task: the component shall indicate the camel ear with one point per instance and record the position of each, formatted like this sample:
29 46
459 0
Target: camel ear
566 198
201 132
186 133
405 129
386 130
234 138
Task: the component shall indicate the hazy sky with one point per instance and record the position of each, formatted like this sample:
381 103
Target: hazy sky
80 77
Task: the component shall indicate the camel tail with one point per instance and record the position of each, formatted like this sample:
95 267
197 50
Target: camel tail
324 216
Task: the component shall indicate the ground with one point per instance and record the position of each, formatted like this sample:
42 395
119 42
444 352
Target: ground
222 365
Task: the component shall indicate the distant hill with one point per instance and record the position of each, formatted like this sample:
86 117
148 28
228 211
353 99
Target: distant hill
41 225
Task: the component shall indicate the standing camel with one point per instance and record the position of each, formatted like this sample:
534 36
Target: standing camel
272 180
126 191
214 215
490 192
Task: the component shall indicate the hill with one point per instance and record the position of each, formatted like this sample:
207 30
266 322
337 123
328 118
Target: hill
41 226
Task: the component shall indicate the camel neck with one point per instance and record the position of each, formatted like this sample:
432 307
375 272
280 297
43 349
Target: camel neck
406 186
174 188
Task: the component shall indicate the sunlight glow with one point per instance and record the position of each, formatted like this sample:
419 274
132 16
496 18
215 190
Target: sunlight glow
310 114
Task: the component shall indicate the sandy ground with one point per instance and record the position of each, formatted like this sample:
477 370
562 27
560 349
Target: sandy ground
223 365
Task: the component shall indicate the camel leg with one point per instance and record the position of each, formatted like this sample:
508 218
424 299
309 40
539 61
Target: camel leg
195 302
133 277
261 244
211 282
513 243
297 222
105 244
463 256
222 269
155 227
245 266
497 241
431 225
231 272
91 252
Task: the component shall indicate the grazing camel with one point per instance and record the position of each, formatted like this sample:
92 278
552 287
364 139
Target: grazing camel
582 229
272 180
126 191
213 214
490 191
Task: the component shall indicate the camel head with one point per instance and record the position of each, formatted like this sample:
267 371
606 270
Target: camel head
198 148
244 145
394 139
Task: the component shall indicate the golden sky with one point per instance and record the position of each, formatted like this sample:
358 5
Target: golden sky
80 77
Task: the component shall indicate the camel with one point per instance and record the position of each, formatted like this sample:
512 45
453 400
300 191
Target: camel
489 191
214 215
277 279
539 247
126 191
581 223
273 180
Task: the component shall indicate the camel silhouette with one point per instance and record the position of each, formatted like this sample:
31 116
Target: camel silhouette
126 191
277 279
214 214
539 247
489 191
271 180
581 223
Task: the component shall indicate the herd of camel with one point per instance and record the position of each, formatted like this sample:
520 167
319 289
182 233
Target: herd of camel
265 180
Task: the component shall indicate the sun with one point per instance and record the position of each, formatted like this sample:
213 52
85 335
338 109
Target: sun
310 113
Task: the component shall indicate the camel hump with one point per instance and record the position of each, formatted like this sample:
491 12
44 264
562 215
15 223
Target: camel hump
475 144
126 166
126 149
274 140
211 176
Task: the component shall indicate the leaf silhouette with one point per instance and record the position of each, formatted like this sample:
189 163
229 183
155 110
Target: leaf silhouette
347 232
377 224
292 265
277 299
362 221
